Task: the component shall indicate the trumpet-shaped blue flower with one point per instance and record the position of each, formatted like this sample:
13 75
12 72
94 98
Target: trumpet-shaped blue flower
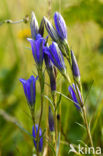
73 95
34 133
51 120
56 56
60 26
29 89
37 49
51 72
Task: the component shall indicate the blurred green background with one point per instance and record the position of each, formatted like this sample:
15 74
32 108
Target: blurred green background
84 19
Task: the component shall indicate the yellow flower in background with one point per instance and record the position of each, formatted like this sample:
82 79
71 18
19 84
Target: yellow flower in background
24 33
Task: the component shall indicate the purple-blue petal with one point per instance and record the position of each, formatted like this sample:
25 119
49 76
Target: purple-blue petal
40 137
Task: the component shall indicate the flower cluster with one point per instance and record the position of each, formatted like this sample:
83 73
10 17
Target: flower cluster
54 57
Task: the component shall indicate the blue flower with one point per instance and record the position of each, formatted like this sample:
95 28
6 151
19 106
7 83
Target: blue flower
75 68
37 49
56 56
51 120
29 89
51 72
34 26
34 133
60 26
73 95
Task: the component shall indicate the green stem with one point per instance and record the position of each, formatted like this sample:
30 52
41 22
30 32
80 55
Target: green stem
87 127
85 117
41 80
82 105
55 118
39 124
33 116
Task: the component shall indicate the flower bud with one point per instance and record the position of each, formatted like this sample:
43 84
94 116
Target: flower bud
34 26
50 29
72 91
75 68
56 57
60 26
41 28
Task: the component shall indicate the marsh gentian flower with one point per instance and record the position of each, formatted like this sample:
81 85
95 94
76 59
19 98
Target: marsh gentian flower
56 56
73 95
37 49
34 26
75 68
34 133
51 72
51 31
51 120
60 26
29 89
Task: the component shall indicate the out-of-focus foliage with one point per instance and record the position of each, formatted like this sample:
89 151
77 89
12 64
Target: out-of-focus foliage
84 19
85 11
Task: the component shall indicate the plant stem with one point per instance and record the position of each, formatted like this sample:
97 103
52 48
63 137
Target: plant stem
85 118
80 87
55 118
41 80
39 123
87 127
33 117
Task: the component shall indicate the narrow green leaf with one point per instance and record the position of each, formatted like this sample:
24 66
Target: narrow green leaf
50 101
80 125
67 98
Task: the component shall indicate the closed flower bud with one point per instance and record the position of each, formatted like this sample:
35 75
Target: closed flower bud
72 90
29 89
51 72
60 26
56 57
37 49
34 133
34 26
50 29
51 120
41 28
75 68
